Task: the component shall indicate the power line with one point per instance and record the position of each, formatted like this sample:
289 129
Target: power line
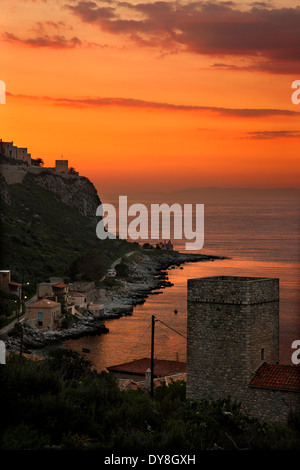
154 319
140 339
157 319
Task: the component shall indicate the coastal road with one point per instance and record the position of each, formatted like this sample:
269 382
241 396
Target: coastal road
7 328
118 261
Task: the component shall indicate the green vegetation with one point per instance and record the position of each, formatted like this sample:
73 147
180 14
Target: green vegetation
37 161
41 237
10 306
9 160
61 401
94 263
122 269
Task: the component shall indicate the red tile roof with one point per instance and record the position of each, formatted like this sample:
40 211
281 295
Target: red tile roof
45 303
14 283
76 294
277 376
60 285
162 367
128 384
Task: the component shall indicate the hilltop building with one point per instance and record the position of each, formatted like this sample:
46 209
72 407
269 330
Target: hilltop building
233 346
8 149
62 166
15 173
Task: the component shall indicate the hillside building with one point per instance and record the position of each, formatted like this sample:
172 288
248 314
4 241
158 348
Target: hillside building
55 289
44 313
8 286
136 370
77 298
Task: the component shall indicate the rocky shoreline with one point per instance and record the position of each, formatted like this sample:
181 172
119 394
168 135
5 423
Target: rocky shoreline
147 276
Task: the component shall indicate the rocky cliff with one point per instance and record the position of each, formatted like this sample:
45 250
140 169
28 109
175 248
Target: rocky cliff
48 222
4 192
75 191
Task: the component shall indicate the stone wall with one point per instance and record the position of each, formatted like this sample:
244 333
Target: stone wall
19 153
23 155
73 190
233 326
61 166
51 317
271 406
13 173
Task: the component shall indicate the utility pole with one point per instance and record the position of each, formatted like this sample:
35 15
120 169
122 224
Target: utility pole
21 344
152 357
19 323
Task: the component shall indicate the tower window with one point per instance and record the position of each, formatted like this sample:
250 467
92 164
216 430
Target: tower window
262 354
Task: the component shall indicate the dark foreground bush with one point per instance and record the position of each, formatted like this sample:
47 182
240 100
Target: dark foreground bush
62 402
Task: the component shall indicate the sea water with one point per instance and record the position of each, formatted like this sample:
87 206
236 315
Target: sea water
258 232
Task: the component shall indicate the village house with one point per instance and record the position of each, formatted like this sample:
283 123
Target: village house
55 289
44 313
60 292
136 370
77 298
137 374
9 286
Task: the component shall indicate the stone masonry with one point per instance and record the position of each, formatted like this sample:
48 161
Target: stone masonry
232 328
233 335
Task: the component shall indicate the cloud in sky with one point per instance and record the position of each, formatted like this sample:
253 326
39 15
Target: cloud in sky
47 34
56 41
267 35
273 134
56 35
97 102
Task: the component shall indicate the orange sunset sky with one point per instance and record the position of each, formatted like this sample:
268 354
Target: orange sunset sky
159 95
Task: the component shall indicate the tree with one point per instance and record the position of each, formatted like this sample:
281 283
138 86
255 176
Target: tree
37 161
122 269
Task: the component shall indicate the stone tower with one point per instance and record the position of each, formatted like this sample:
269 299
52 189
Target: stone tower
232 327
61 166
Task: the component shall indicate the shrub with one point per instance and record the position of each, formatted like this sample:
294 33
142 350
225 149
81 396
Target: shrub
23 437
